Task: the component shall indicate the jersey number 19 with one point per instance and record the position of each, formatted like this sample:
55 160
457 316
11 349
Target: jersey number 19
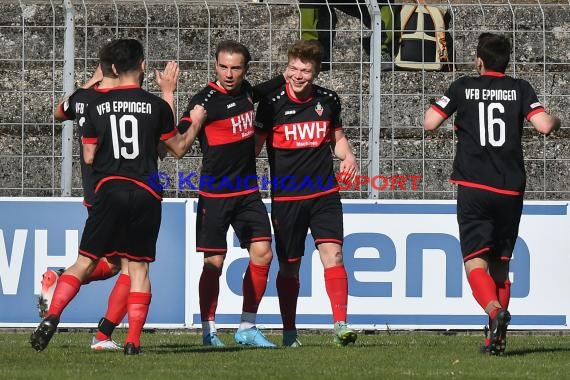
490 126
132 139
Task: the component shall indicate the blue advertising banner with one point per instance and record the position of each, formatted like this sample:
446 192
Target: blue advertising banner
41 233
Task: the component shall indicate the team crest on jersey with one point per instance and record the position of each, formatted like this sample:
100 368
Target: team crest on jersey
319 109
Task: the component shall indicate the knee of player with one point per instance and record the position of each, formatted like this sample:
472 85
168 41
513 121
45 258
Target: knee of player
261 254
214 262
289 268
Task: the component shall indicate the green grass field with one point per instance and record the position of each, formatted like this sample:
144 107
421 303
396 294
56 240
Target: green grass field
179 355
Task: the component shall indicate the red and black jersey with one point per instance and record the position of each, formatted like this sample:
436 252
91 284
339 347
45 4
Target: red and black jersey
299 135
227 137
75 108
490 113
226 140
127 123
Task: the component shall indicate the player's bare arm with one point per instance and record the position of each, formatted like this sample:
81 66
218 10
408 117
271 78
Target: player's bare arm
179 144
545 123
89 151
343 151
167 81
432 120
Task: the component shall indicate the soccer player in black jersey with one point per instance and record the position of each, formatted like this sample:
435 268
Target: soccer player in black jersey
302 124
120 137
489 171
228 191
74 107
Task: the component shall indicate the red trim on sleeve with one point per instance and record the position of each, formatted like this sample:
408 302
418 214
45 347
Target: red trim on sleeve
534 112
485 187
186 118
89 140
168 135
439 111
309 196
476 253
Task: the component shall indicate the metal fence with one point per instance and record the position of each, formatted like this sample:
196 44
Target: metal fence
382 105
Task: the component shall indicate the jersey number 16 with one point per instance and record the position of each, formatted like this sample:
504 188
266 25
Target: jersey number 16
490 126
133 138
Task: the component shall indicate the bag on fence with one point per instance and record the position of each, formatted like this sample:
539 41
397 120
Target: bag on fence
423 43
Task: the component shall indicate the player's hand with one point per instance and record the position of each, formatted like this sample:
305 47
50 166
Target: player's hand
95 78
198 115
168 78
349 167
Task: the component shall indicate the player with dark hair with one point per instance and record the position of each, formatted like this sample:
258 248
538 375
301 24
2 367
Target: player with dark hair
228 191
489 171
74 107
302 124
120 137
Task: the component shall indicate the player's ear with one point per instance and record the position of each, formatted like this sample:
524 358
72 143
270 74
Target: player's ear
143 65
479 65
114 69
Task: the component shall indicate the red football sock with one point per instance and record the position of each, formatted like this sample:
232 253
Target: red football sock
288 292
209 290
336 284
504 293
483 288
138 310
116 307
254 284
101 272
66 289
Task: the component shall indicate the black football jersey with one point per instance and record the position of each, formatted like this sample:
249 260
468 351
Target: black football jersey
491 109
127 123
299 135
226 140
75 108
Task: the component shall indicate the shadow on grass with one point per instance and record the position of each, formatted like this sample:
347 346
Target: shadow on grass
538 350
185 348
